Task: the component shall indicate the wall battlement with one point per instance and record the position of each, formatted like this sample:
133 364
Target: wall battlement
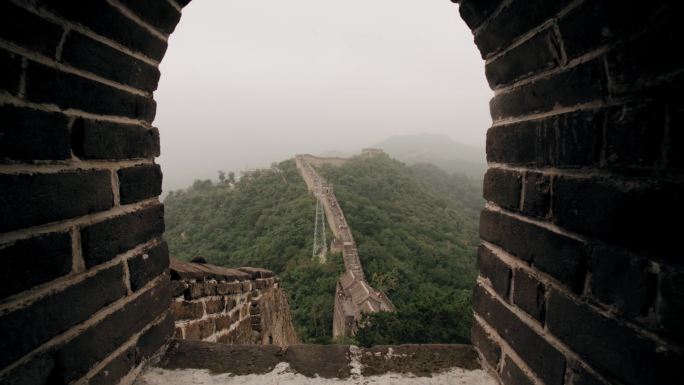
233 306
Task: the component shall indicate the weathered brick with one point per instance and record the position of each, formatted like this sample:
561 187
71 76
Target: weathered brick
582 376
256 272
116 369
607 345
528 294
547 362
214 306
235 317
634 135
230 303
148 265
565 140
93 139
537 197
187 310
537 54
160 14
157 335
578 142
192 331
631 211
48 85
474 12
44 35
139 182
671 309
34 371
178 333
513 144
511 374
503 187
77 356
228 338
485 344
34 261
580 84
515 19
25 329
29 134
224 288
246 287
10 66
90 55
633 66
621 280
178 288
223 322
201 289
35 199
106 20
557 255
596 22
206 328
495 270
129 230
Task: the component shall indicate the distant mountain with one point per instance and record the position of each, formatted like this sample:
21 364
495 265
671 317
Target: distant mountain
438 149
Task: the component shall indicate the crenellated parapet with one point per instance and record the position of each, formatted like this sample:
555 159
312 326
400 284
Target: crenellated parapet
234 306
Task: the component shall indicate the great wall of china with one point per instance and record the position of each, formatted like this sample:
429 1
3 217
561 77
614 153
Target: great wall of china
353 295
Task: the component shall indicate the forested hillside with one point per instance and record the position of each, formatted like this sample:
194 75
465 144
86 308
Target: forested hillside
416 228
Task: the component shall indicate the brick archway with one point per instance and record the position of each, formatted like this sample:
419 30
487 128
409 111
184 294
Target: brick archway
579 282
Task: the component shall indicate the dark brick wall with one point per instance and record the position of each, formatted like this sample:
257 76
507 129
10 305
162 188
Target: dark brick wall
578 272
579 284
85 293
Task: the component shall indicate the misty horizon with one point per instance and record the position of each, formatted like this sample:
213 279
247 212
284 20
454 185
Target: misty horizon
245 84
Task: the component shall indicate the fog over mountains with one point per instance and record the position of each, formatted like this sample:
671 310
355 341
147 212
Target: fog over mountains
438 149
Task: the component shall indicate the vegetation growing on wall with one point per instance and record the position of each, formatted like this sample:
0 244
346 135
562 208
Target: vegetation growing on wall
416 228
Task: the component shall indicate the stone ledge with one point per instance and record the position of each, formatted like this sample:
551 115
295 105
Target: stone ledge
327 361
181 270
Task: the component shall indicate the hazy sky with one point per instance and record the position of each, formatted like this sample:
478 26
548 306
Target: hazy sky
248 82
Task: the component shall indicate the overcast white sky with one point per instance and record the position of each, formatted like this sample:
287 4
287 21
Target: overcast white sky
248 82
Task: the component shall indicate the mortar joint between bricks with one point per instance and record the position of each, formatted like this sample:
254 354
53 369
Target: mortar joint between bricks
70 112
68 69
132 16
22 79
65 24
77 329
60 45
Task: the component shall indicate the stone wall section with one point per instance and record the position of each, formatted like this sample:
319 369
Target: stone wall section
85 290
578 264
242 306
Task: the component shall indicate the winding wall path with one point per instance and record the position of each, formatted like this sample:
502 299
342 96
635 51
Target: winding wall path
353 296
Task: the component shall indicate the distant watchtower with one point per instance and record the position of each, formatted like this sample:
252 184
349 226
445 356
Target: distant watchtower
371 152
